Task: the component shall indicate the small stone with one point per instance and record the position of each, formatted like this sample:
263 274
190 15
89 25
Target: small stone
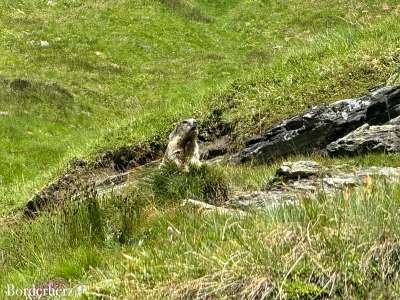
299 169
44 44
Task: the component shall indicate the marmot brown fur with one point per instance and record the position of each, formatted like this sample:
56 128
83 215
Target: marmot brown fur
183 148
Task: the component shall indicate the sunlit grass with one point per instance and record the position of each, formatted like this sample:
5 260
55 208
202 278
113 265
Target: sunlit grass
343 246
134 68
131 69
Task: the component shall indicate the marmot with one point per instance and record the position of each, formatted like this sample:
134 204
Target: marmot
183 148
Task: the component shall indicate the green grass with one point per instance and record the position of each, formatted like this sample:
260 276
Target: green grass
202 182
345 246
117 73
135 67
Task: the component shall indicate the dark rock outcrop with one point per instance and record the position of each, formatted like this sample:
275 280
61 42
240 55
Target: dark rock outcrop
384 138
322 125
296 180
216 148
214 135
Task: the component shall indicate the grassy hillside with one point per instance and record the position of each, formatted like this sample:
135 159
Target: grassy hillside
78 77
138 246
131 68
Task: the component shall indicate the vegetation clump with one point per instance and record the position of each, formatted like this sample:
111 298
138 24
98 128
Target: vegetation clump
203 182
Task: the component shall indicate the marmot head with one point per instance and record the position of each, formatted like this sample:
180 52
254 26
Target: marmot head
185 130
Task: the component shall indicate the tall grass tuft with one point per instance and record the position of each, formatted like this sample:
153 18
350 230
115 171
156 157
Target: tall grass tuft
206 183
83 219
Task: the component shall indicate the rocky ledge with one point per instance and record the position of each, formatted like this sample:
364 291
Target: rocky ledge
317 128
300 179
383 138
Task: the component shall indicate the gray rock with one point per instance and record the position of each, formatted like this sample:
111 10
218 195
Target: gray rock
322 125
395 121
384 138
263 200
287 189
299 169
